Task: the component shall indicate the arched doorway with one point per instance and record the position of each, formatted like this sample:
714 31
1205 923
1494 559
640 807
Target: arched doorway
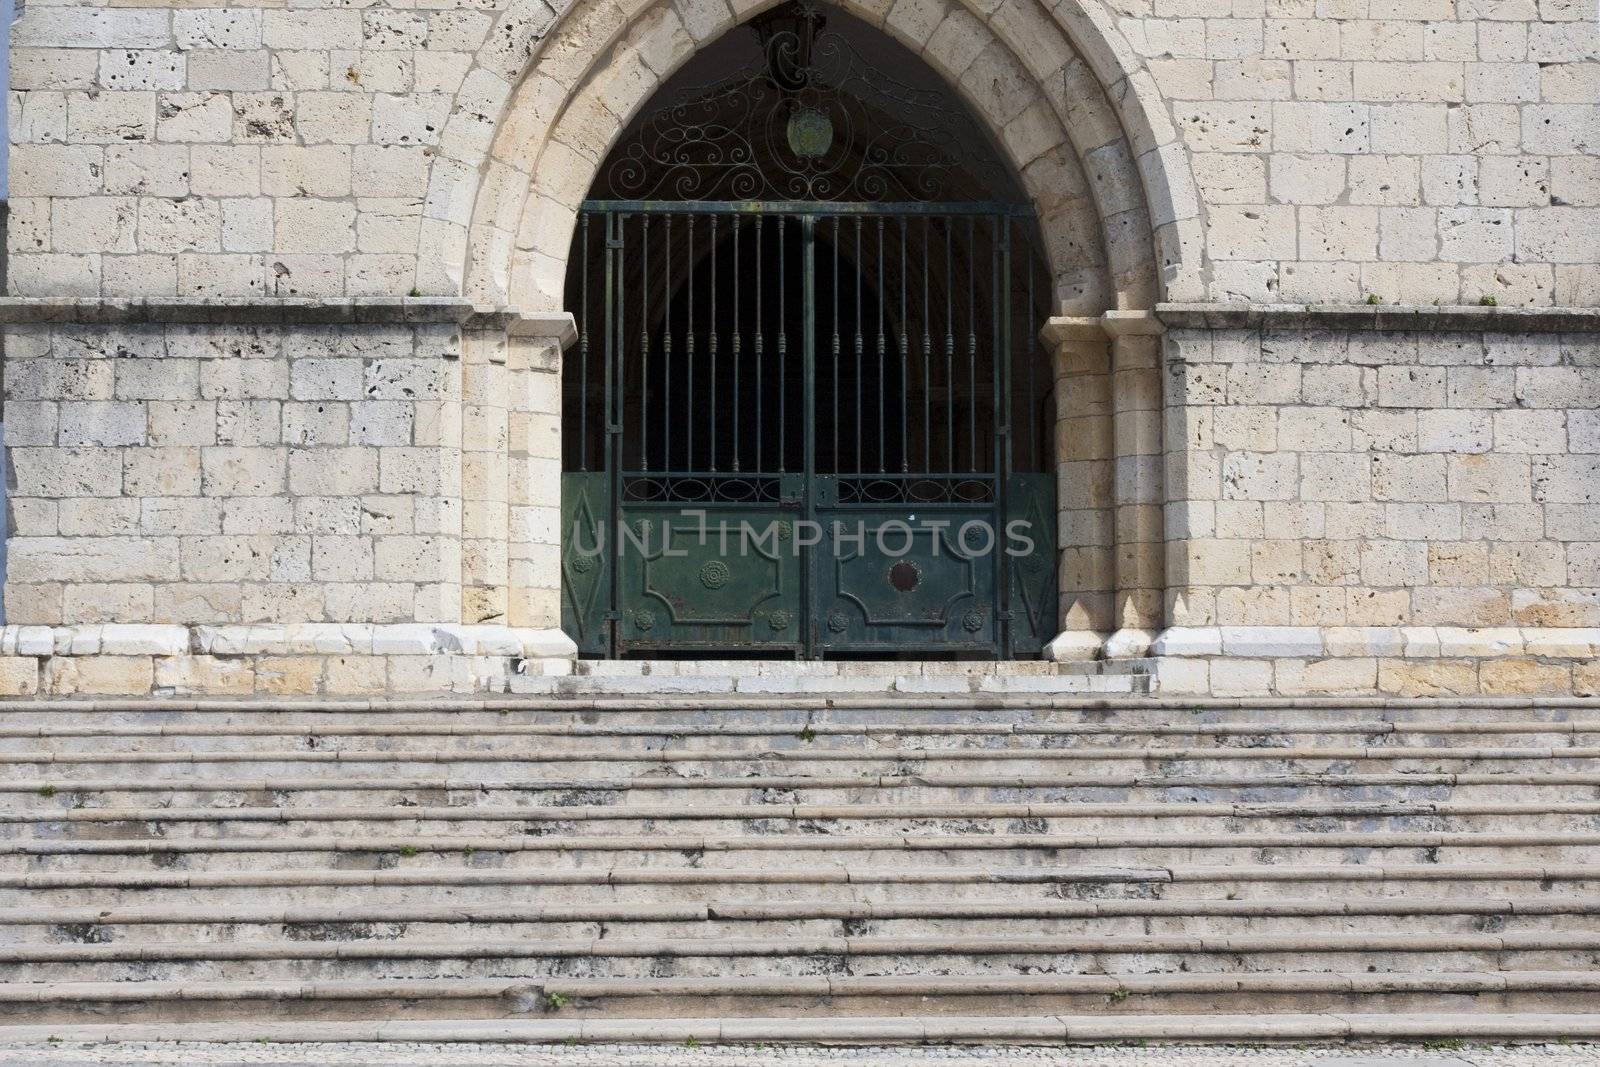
808 413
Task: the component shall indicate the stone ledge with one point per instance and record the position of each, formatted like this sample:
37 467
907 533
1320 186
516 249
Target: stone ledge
1422 318
1404 642
296 639
285 311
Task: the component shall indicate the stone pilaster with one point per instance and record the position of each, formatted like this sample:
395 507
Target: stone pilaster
1084 442
1138 485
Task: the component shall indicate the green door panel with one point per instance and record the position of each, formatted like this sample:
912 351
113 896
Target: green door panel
903 584
585 569
1031 574
733 583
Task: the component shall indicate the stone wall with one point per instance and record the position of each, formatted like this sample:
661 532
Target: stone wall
268 466
330 466
1421 151
1376 478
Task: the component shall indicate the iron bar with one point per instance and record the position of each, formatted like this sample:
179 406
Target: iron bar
712 345
688 355
803 207
583 356
783 344
927 379
666 355
1035 457
836 383
808 458
882 398
644 342
859 412
760 344
972 343
738 341
905 384
949 349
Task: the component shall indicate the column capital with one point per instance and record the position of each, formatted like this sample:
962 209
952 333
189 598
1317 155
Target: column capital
1132 324
1061 329
1112 324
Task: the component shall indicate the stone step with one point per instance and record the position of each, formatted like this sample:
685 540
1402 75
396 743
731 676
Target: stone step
167 728
925 997
338 954
717 712
523 921
20 771
909 782
402 823
1099 1028
1357 884
781 851
741 855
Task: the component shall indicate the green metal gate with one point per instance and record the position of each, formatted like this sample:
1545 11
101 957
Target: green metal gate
815 426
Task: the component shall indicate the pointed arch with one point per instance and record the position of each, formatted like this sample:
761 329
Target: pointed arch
1076 114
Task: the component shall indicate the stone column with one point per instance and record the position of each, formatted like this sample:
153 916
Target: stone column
485 475
534 370
1084 501
1138 485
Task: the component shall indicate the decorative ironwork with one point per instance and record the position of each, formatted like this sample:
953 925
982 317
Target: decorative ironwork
701 489
807 298
714 575
814 121
915 489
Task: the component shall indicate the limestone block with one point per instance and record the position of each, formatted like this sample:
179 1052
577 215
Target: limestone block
19 676
355 675
1519 675
204 675
1427 678
1296 677
288 675
97 675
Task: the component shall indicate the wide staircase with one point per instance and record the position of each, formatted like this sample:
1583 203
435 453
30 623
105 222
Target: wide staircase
597 865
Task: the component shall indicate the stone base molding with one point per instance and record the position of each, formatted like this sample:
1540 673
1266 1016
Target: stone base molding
307 659
1407 661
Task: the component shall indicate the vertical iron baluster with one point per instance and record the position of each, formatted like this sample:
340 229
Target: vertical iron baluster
666 355
1000 316
808 424
882 399
688 355
783 344
972 343
949 348
738 339
712 344
1035 444
644 342
905 383
927 345
837 466
759 346
619 402
860 466
611 452
998 313
583 358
